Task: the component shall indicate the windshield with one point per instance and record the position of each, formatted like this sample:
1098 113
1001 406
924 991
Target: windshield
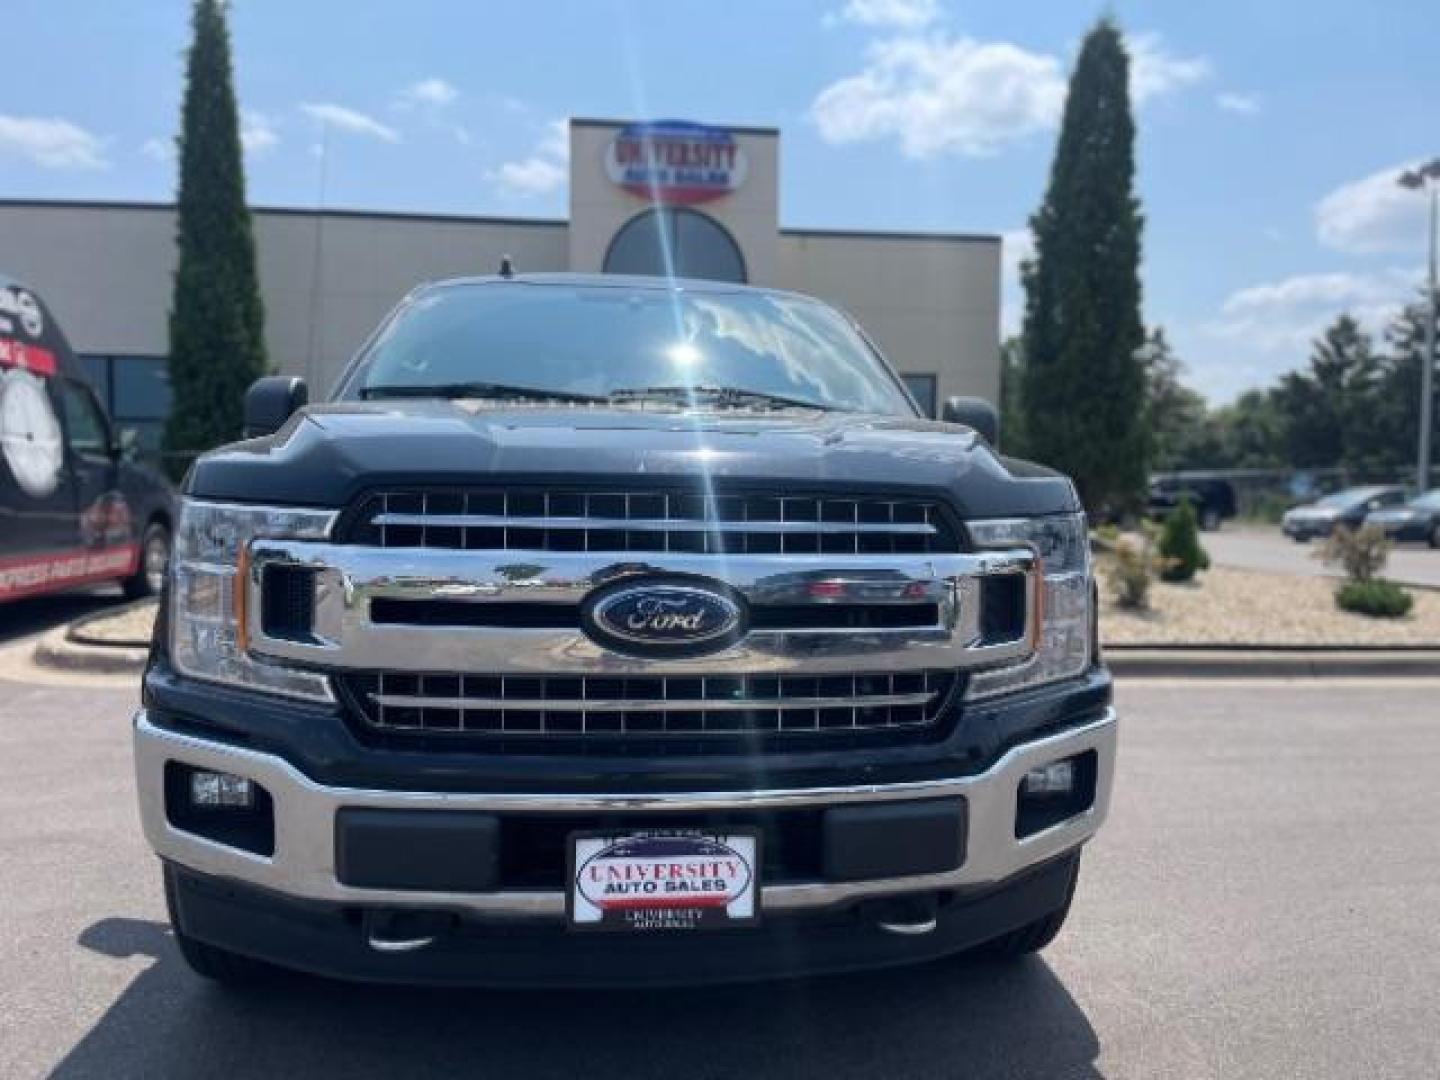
603 340
1348 497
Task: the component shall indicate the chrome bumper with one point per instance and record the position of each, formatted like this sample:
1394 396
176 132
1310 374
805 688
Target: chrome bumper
304 861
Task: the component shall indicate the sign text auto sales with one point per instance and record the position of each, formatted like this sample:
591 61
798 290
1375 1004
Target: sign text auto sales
675 162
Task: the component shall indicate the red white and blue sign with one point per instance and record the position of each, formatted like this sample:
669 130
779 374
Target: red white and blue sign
675 162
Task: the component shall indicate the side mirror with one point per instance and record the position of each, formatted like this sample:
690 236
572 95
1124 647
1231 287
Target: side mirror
976 413
271 401
127 444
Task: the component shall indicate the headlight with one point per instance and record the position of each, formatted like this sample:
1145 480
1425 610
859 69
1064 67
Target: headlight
1066 631
207 598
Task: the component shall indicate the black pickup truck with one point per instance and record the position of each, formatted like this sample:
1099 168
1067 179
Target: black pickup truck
606 630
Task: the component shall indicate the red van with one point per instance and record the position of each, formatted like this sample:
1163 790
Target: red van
75 508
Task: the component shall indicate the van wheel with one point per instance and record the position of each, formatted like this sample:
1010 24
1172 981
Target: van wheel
1034 936
208 961
149 576
1209 519
1435 536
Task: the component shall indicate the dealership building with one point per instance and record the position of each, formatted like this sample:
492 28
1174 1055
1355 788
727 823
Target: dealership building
652 198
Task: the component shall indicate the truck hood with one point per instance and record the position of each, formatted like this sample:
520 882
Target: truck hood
327 454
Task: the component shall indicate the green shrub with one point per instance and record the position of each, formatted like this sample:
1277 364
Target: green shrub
1181 555
1362 552
1375 596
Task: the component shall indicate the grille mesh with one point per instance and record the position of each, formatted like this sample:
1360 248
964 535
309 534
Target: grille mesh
609 707
652 521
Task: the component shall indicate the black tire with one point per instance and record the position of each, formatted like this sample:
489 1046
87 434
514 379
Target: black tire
1209 519
1033 936
208 961
154 557
1435 535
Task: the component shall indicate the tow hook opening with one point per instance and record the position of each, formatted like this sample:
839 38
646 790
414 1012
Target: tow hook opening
391 930
907 916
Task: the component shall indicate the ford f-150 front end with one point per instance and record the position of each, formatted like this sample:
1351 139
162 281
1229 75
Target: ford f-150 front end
604 630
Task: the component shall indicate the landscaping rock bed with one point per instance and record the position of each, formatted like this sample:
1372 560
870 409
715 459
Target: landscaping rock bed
1246 607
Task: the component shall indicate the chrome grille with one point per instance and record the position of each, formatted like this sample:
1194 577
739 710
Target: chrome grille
651 521
604 706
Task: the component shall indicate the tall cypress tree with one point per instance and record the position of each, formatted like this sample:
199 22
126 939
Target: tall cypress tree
217 345
1084 383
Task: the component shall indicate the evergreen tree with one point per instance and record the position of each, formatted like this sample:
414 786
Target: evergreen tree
1012 412
1330 409
217 345
1084 387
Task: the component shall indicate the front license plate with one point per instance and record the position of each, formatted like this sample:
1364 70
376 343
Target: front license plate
664 880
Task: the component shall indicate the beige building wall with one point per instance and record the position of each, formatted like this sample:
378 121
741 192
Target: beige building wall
107 271
931 303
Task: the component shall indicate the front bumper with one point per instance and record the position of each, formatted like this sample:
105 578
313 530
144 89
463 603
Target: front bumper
303 865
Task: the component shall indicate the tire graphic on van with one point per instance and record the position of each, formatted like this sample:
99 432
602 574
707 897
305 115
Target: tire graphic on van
30 436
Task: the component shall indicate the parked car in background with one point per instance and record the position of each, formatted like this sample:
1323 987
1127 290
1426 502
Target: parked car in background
75 509
1348 507
1212 498
1418 520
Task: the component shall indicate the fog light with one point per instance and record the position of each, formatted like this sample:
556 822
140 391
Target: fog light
1056 780
218 789
1055 792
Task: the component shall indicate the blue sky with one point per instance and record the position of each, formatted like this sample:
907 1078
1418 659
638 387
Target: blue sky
1269 132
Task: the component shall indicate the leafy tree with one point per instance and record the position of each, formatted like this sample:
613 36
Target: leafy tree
1329 409
1084 387
217 345
1397 419
1248 434
1176 414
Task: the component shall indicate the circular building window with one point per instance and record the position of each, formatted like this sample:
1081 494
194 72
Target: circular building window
675 243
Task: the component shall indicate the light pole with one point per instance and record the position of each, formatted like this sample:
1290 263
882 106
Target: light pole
1426 177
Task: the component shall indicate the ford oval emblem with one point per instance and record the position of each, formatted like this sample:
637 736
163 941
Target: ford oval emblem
665 617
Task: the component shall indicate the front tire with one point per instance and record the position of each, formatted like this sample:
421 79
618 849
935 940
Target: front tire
1435 535
1033 936
208 961
149 576
1209 519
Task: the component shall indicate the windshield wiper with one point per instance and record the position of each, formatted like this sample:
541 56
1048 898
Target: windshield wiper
724 395
495 391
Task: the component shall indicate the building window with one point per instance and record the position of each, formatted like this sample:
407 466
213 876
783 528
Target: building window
135 391
922 389
675 243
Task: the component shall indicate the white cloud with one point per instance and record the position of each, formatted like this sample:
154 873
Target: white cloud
900 14
158 149
436 93
1373 214
50 142
941 94
1155 72
350 121
257 132
1285 316
545 169
1245 104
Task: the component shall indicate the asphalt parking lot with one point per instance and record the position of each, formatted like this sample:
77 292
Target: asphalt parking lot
1261 904
1257 548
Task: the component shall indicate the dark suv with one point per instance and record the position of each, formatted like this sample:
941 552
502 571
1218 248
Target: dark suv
611 630
1212 498
75 508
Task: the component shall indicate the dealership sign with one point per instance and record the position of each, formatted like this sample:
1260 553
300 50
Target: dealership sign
675 163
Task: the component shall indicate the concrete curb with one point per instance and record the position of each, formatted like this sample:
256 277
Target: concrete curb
55 650
76 633
1272 663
